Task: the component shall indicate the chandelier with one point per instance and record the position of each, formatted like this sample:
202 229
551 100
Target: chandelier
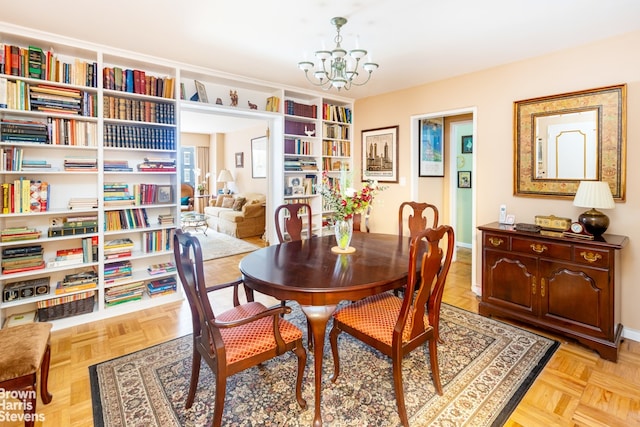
335 68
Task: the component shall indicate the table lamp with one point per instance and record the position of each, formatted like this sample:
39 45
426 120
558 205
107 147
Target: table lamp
594 195
224 177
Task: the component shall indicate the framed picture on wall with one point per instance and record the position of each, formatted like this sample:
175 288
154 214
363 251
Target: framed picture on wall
467 144
163 194
431 147
464 179
239 160
380 154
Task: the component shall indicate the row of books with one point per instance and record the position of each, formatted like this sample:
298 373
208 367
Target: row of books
20 95
166 219
75 282
297 109
12 159
144 137
157 164
138 110
124 293
336 113
162 268
36 63
118 248
19 259
88 252
296 164
24 195
160 287
273 104
298 146
117 166
157 241
80 164
126 219
15 234
336 148
137 81
333 165
79 203
55 131
117 193
335 131
117 271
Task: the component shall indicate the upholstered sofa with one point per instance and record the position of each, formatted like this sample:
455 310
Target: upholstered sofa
238 215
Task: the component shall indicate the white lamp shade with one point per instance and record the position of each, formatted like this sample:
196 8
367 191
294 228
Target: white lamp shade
594 194
225 176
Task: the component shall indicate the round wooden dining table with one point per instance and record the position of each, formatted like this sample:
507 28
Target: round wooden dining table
308 272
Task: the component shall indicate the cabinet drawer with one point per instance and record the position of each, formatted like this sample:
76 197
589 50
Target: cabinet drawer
591 256
496 241
541 248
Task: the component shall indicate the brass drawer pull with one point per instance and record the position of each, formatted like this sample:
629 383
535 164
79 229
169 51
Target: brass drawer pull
542 285
496 241
590 256
538 248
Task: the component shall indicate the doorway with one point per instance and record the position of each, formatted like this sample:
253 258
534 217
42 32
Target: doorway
458 204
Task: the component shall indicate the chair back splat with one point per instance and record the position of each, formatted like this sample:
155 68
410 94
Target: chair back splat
234 340
418 219
293 222
395 326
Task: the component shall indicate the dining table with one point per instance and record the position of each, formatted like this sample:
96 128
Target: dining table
310 273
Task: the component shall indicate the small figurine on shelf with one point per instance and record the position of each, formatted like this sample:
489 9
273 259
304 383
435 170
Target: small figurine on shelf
309 132
234 97
218 101
252 106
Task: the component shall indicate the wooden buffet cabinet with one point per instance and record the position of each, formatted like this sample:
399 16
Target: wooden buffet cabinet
566 285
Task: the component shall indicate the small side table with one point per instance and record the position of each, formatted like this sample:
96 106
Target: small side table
201 201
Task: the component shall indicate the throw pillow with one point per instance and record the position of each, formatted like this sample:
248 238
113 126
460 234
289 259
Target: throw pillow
227 202
219 200
184 201
239 203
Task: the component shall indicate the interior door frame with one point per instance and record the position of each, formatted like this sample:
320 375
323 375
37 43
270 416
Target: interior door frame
414 180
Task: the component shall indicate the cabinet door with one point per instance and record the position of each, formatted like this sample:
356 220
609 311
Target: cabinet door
577 298
509 281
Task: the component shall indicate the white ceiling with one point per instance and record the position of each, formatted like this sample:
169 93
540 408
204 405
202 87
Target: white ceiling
414 41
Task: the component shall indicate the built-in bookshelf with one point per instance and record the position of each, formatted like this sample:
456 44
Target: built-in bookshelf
86 137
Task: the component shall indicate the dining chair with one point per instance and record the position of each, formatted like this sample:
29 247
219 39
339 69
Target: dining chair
396 326
418 217
239 338
293 222
359 224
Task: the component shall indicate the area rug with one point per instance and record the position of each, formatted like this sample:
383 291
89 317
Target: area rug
486 367
218 245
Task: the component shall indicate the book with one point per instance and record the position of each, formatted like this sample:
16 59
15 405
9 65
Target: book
20 318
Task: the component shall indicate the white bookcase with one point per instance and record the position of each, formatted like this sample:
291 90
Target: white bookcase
112 125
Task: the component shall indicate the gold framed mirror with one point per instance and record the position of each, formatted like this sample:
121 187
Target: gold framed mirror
561 140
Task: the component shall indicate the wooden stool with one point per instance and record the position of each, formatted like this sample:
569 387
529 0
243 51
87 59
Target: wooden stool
25 350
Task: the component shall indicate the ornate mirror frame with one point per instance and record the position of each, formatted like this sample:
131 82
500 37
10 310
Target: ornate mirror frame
610 103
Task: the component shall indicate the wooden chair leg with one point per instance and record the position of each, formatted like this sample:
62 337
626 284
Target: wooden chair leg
221 391
397 385
302 362
44 376
333 339
435 368
195 375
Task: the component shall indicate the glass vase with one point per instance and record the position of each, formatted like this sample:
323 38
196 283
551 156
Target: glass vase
343 229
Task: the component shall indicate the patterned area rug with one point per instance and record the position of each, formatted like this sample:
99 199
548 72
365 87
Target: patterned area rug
486 367
218 245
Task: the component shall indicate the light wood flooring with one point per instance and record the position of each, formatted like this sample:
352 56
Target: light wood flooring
576 388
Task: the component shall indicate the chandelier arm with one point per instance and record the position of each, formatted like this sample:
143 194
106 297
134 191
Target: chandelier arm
320 83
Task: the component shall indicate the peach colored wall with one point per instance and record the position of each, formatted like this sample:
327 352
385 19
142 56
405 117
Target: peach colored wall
492 92
240 142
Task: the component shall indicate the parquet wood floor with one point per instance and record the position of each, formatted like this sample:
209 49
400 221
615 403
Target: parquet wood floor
576 388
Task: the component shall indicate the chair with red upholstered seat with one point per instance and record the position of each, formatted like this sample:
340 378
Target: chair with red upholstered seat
25 349
242 337
396 326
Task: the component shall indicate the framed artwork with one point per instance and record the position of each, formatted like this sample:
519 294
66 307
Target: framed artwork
163 194
380 154
467 144
431 147
201 91
239 160
259 157
464 179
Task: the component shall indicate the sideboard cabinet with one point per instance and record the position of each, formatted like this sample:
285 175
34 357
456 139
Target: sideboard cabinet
566 285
